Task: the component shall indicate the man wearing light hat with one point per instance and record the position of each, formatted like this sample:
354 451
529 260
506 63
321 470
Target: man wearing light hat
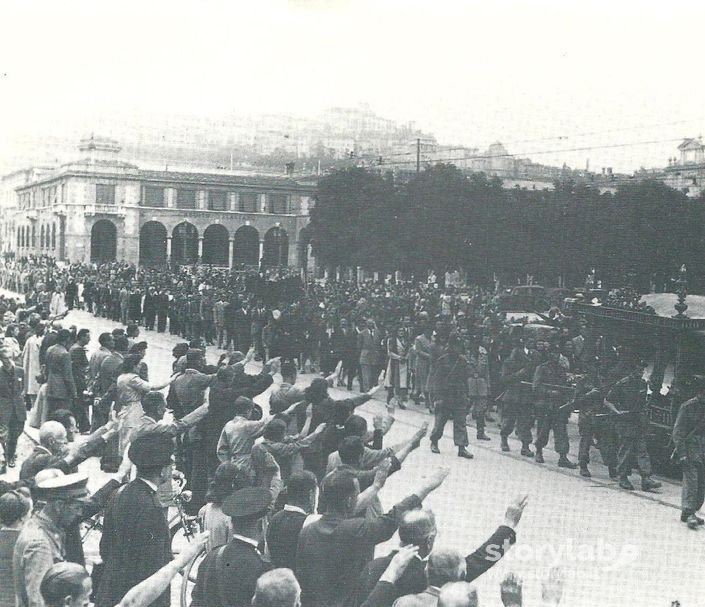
228 575
42 541
136 541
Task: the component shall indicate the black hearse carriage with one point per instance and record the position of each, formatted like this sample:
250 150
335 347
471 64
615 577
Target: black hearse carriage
672 342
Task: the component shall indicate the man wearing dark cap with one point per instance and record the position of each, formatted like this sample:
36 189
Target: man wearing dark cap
42 541
228 575
136 541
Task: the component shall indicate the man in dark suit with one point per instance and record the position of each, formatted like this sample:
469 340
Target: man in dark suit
285 526
12 409
228 575
61 387
79 368
334 550
136 541
418 528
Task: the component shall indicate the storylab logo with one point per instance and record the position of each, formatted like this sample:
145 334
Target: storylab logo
606 555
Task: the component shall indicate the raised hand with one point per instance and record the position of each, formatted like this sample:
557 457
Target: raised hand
420 433
515 510
438 477
382 473
552 587
400 561
510 589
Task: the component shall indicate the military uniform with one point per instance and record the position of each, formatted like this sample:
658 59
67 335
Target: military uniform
549 416
450 379
689 439
518 407
227 577
591 403
629 396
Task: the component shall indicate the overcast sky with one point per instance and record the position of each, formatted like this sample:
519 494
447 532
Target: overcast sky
526 73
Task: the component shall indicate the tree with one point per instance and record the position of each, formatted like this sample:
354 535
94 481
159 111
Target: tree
342 199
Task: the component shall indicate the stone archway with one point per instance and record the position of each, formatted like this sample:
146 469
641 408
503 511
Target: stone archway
246 248
216 241
103 241
153 237
276 247
184 244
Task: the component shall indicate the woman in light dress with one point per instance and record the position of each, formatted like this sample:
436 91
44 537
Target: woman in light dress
396 379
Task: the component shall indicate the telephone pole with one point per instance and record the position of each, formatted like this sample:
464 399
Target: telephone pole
418 155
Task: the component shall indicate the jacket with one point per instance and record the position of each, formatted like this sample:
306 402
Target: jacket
689 431
333 551
11 395
60 382
519 367
227 577
135 543
414 580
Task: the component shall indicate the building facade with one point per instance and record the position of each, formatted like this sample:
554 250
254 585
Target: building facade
687 172
100 208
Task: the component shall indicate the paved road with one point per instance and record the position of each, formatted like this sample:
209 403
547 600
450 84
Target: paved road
569 521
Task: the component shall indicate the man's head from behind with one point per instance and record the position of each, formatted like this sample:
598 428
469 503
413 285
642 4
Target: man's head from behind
302 490
355 425
53 437
351 450
288 372
418 528
67 419
458 594
154 405
445 566
277 588
339 490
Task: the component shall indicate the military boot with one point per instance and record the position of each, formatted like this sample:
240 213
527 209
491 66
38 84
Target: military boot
625 484
648 484
538 458
584 471
505 444
564 462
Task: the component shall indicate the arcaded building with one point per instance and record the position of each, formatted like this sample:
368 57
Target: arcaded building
100 208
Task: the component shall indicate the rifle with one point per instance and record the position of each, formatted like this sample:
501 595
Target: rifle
604 389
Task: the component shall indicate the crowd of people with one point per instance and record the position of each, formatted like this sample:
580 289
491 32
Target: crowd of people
290 499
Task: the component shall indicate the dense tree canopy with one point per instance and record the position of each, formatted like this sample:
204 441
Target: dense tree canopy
443 219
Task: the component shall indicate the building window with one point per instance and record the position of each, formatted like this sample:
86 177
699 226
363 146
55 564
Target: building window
104 194
34 236
53 236
185 199
278 203
217 201
41 237
248 202
153 197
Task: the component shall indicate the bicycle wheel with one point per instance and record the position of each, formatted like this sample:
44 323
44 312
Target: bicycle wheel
188 577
